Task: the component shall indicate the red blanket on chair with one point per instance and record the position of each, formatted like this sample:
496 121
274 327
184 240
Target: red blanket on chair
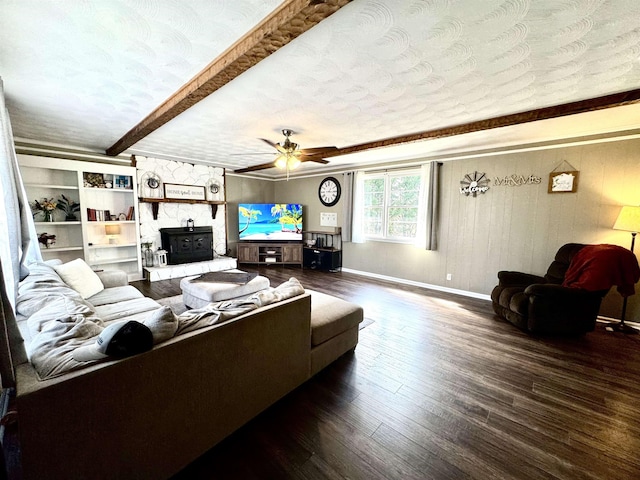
599 267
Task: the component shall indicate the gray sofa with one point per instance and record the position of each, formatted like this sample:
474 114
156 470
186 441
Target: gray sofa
149 415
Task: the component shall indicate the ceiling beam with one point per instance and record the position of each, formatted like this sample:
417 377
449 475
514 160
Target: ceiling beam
291 19
581 106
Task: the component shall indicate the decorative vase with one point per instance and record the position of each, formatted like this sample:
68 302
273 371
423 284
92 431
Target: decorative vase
148 258
48 216
70 218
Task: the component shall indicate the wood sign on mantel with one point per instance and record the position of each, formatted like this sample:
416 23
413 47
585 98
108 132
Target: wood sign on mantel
155 204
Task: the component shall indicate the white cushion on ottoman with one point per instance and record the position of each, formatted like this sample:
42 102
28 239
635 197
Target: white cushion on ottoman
200 294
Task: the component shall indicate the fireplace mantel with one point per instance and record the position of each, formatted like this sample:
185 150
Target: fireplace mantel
155 204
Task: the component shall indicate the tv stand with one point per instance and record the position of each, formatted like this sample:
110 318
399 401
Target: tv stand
270 253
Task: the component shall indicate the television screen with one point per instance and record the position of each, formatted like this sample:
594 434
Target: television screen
281 222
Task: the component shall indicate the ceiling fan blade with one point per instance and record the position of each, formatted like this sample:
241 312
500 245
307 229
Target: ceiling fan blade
314 159
256 167
274 145
317 150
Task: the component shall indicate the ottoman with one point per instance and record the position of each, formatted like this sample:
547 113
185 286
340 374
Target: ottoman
334 328
200 294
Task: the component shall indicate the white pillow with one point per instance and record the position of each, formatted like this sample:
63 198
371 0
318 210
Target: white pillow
79 276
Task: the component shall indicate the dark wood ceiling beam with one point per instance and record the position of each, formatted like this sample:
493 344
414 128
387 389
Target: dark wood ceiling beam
291 19
581 106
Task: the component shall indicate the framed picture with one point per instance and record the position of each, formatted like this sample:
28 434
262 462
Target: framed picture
563 182
93 180
184 192
122 181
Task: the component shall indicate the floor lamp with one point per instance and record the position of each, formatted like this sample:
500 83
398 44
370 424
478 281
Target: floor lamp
629 221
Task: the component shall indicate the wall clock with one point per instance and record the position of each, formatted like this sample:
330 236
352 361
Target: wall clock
329 191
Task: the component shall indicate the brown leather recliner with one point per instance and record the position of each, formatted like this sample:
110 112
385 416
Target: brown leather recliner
541 304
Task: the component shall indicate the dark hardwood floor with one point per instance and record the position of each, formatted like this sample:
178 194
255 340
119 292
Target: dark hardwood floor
439 388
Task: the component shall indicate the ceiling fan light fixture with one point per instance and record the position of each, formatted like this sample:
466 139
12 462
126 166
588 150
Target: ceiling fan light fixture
294 162
281 162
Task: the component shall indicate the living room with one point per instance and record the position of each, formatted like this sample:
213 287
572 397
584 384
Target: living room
518 223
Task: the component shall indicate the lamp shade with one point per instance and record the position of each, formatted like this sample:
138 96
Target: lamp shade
281 161
628 219
112 229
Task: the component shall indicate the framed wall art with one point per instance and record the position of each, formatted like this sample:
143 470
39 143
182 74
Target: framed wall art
563 182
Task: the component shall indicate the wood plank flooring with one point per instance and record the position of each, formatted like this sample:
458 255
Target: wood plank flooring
439 388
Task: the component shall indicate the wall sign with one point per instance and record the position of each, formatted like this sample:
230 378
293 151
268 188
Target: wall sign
563 178
516 180
183 192
563 182
474 183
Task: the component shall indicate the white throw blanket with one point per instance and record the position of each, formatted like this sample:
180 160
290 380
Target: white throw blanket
66 323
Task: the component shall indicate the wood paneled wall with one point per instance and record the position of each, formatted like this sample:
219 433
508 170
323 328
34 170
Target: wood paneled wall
517 227
507 228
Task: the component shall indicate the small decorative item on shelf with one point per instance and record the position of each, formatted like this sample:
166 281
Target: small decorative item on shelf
46 206
93 180
46 239
69 207
160 258
147 254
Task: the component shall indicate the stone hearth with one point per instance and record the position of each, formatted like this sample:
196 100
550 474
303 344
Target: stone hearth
154 274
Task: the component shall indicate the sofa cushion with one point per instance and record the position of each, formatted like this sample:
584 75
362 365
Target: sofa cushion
114 295
331 316
79 276
126 309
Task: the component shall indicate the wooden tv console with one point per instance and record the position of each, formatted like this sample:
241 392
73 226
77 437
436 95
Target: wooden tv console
270 253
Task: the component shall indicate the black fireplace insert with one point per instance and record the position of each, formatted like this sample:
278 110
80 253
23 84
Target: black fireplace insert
187 246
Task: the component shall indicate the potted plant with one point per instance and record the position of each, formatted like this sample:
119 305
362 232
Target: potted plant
69 207
46 206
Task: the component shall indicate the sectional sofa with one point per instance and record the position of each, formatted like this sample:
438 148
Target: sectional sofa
149 415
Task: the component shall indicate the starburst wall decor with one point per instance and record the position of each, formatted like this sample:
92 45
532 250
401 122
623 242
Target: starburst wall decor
474 183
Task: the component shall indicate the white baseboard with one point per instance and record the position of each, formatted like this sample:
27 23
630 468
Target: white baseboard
456 291
404 281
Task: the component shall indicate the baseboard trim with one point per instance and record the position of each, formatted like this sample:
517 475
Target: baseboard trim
455 291
603 319
428 286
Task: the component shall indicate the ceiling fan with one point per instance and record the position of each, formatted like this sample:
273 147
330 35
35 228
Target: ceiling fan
289 155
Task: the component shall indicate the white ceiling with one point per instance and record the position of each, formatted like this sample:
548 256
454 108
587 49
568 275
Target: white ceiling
82 73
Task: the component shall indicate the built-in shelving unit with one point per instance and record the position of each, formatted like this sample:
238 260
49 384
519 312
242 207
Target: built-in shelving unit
105 233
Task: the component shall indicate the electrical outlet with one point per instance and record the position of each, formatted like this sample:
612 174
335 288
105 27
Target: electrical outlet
448 276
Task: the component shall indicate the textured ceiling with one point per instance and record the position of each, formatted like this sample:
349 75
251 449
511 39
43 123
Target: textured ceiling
83 73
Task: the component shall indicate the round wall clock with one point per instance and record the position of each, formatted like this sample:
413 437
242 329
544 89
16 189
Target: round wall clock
329 191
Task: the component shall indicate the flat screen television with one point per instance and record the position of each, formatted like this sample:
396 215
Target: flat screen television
278 222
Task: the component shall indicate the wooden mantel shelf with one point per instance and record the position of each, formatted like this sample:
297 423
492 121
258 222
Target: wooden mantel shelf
155 204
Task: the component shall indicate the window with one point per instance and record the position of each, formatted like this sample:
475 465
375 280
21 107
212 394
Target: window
390 206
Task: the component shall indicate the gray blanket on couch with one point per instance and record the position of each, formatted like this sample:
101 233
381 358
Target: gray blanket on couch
59 321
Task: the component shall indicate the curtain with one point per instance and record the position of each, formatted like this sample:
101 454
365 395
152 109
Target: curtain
348 181
357 224
18 240
429 206
433 206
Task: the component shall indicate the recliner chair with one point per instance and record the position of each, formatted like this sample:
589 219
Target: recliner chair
541 304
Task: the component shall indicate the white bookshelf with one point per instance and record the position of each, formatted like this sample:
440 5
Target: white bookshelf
96 186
